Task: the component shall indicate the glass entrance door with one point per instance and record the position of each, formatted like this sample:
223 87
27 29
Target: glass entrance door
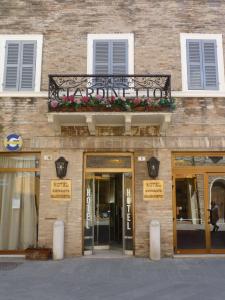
102 212
108 221
200 213
216 204
190 213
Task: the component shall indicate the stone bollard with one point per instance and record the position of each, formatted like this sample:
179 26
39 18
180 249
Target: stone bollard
154 240
58 240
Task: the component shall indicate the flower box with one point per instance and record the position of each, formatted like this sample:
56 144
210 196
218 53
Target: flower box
38 253
120 104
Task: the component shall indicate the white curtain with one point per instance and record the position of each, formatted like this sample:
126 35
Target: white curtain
18 211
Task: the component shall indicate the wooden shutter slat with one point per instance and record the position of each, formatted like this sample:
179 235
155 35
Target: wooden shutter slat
210 64
119 57
11 78
101 57
194 65
28 62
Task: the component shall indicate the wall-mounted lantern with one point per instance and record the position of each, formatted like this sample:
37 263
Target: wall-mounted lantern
153 167
61 167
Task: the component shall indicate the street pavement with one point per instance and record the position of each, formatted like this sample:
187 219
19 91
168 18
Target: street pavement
96 278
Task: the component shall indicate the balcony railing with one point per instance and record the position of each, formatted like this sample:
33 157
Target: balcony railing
128 92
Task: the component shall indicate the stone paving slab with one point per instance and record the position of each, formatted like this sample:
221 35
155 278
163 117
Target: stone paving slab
130 278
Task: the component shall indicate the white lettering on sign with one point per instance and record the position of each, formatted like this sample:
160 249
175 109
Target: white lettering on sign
128 204
88 208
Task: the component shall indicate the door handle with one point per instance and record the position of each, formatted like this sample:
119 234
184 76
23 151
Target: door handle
122 212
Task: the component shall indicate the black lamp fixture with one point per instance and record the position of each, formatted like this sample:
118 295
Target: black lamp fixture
153 167
61 167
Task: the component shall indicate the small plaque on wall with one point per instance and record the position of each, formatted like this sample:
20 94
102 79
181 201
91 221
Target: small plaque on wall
153 190
61 189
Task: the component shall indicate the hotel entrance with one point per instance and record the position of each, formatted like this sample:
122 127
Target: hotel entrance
108 203
199 204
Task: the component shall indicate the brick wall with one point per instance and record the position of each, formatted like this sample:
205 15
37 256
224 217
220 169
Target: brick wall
156 26
189 130
197 124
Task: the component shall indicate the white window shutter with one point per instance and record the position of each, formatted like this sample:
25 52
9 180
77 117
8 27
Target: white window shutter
28 65
12 61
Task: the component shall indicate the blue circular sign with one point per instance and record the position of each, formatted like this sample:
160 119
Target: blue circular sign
13 142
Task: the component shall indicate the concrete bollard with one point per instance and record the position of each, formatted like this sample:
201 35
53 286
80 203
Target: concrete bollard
154 240
58 240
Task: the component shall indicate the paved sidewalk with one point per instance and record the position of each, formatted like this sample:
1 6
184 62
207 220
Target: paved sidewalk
113 279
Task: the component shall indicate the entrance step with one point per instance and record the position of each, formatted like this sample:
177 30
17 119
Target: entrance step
199 256
107 254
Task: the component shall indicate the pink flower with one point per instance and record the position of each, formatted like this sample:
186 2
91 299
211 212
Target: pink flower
113 98
65 98
77 100
99 97
123 99
85 99
71 99
54 103
150 101
137 101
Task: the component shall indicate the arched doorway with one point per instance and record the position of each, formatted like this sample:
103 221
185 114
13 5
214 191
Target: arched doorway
217 211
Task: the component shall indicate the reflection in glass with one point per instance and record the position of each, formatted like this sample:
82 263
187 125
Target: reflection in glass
108 212
108 161
190 215
102 211
199 161
217 211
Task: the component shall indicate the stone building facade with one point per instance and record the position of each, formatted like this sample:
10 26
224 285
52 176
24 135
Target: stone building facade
183 140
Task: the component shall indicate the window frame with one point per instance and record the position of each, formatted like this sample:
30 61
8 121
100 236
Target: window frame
22 37
184 64
121 36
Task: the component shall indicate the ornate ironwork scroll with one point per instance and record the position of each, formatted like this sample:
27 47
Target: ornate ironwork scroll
129 86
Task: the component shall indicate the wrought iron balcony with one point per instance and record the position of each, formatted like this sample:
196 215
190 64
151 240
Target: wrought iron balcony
110 92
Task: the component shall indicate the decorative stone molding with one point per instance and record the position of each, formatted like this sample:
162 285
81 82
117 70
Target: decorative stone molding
126 120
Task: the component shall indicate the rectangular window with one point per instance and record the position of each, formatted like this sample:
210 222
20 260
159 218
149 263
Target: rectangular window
20 62
110 57
202 65
19 201
110 54
108 161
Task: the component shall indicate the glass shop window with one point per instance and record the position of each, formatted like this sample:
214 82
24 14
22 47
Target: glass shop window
19 201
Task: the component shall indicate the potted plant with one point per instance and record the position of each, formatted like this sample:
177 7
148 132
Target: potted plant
38 253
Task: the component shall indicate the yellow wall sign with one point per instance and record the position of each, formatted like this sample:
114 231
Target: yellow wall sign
153 190
61 189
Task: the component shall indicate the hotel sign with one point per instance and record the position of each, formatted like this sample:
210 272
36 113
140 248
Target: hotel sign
13 142
61 189
153 190
88 208
128 86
